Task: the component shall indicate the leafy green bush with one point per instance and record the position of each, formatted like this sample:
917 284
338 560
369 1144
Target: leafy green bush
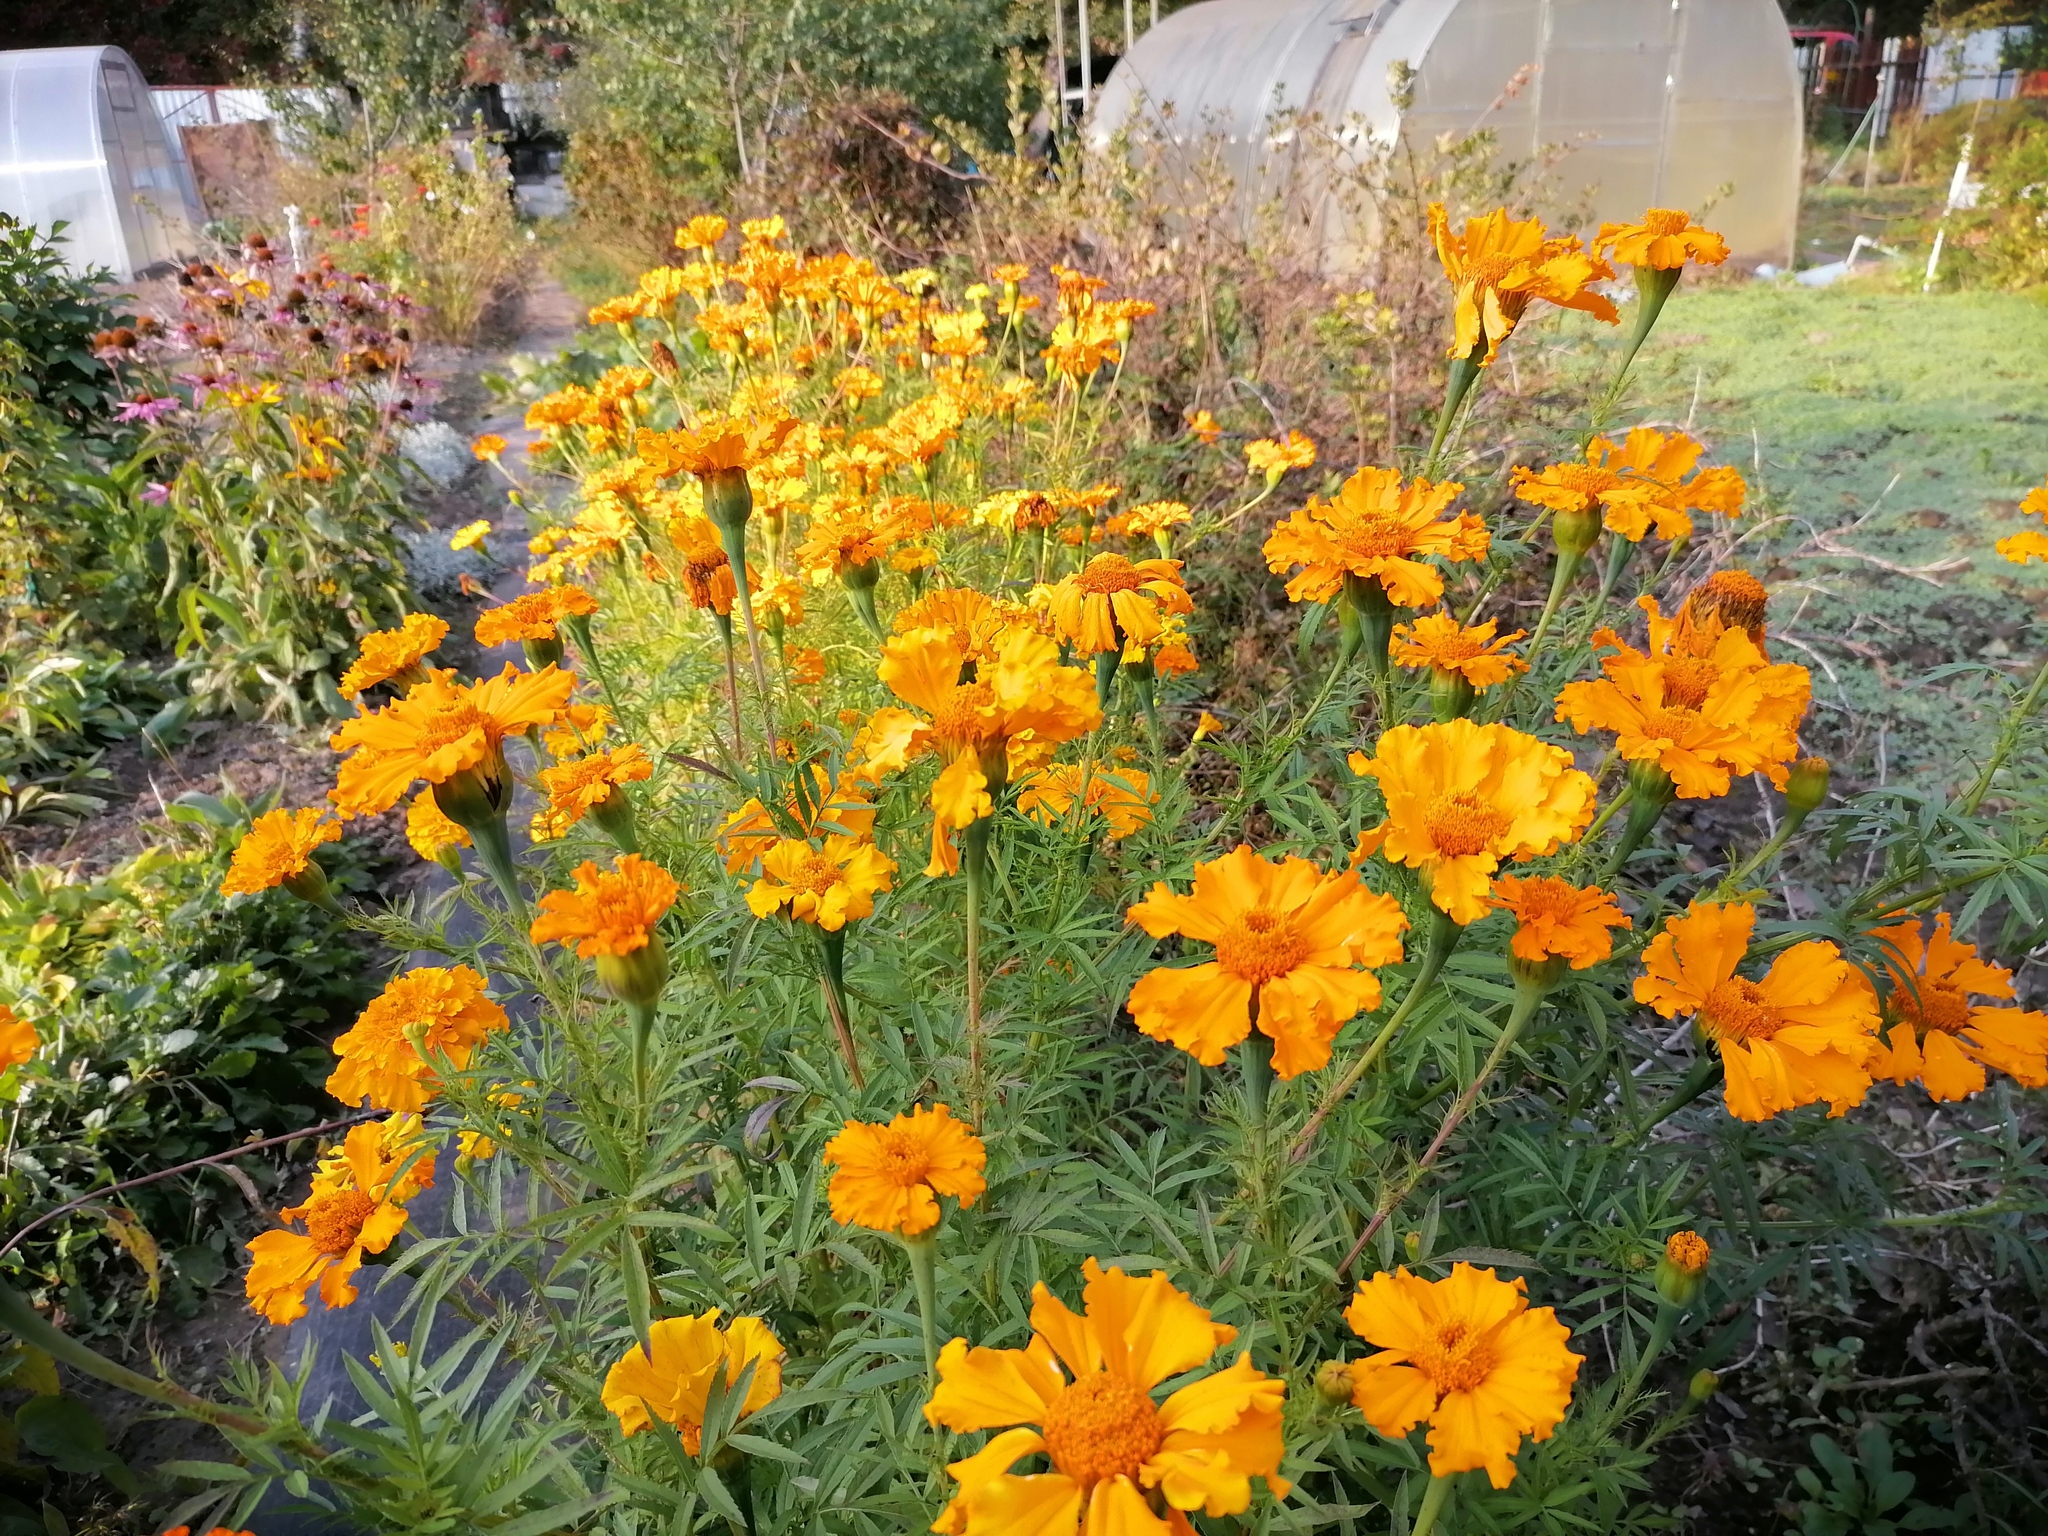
2004 241
53 316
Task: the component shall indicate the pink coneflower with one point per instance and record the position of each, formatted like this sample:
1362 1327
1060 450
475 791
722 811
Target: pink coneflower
147 408
156 493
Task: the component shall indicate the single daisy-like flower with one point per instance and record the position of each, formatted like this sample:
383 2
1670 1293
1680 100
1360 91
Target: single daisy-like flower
388 655
1207 725
1935 1034
277 850
442 728
1149 519
1273 457
426 1012
612 912
850 541
1637 485
1441 643
428 828
1462 798
1556 919
1121 797
1111 603
1802 1034
701 233
1204 426
828 886
715 445
888 1178
470 535
671 1379
533 615
1468 1356
488 448
1377 529
586 784
356 1207
1499 266
1290 940
18 1039
1081 1396
1666 240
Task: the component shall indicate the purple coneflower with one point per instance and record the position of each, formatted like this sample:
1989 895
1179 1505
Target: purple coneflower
147 407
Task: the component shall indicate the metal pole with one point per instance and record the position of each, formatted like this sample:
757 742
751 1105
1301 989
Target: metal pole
1087 57
1130 29
1059 59
1155 12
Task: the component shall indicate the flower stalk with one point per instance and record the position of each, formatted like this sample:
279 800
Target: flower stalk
832 978
974 864
1464 373
1432 1506
923 1249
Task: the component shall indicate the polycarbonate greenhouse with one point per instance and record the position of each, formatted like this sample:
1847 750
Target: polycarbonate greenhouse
1661 103
80 142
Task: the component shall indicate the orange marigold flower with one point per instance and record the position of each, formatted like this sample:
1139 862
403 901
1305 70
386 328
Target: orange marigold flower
705 229
585 784
714 445
388 654
673 1383
849 542
1288 935
1085 1386
1934 1034
1461 798
611 912
578 728
828 886
1149 519
470 535
488 448
425 1013
1122 798
1207 725
2028 544
1800 1035
1440 642
2035 502
806 665
1378 530
1734 599
831 807
1665 241
889 1177
1468 1356
1111 603
1499 266
706 571
429 830
1638 485
356 1207
1273 457
439 729
1688 1251
1205 426
534 615
276 850
18 1039
1556 918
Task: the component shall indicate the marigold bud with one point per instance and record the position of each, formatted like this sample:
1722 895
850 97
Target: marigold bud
1682 1274
728 500
1413 1243
664 363
1703 1386
1576 532
637 976
1806 788
542 653
1333 1382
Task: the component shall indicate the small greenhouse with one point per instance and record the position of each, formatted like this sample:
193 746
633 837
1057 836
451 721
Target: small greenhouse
80 142
1665 103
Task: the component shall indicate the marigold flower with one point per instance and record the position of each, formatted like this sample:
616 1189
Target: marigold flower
1468 1356
1499 266
1441 643
714 445
533 615
827 886
1637 485
488 448
1122 798
1378 530
276 850
1666 240
586 784
857 383
1934 1033
1733 599
470 535
1112 602
706 571
578 728
426 1011
439 729
1800 1035
1206 725
1287 935
1017 707
806 665
428 828
673 1383
831 807
388 654
706 229
18 1039
889 1177
1556 918
1273 457
1461 798
356 1207
1149 519
1206 427
2035 502
612 912
849 542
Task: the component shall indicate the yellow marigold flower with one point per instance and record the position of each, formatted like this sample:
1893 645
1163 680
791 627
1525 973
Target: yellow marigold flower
1554 918
1014 711
827 886
889 1177
578 728
488 448
1111 603
1207 725
849 542
706 569
18 1039
1205 426
1800 1035
1288 936
1009 274
1702 703
1378 530
673 1383
959 335
857 383
1499 266
356 1209
533 615
1688 1251
765 231
1082 1396
276 850
714 444
623 309
470 535
585 784
2035 502
706 229
393 654
1151 518
427 1011
806 666
429 830
1123 798
1461 798
1666 240
1935 1035
1733 599
611 912
831 807
439 729
1468 1356
1273 457
1440 642
1173 656
1638 485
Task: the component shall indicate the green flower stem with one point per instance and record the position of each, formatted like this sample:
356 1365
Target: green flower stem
494 851
974 863
2008 739
1432 1505
1643 812
1105 677
1255 1066
578 626
1653 287
1619 551
1705 1073
614 814
1568 562
1443 938
642 1016
1661 1332
1464 373
732 686
832 976
1732 881
924 1277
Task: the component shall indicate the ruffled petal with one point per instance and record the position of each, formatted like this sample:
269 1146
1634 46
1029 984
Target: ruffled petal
989 1389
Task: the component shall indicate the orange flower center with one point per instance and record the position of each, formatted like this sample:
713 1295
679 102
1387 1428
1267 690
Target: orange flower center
1110 573
336 1219
1674 724
1737 598
1736 1010
905 1160
1585 479
816 875
451 725
1487 268
1688 1250
1456 1359
1687 679
1666 221
1101 1427
1447 651
959 717
1372 535
1267 946
1940 1005
1463 824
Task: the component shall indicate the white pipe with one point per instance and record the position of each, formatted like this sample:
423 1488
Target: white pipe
1087 57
